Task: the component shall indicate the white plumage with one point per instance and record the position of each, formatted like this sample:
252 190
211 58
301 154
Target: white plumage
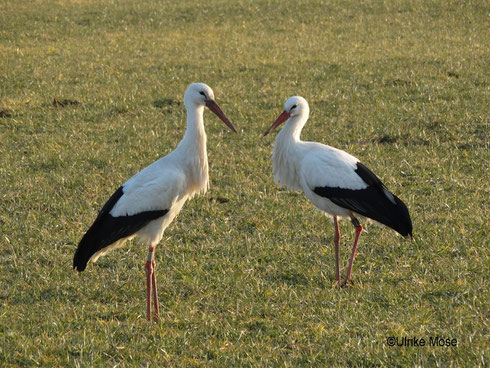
333 180
148 202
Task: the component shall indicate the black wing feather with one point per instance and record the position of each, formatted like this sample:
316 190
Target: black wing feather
372 202
108 229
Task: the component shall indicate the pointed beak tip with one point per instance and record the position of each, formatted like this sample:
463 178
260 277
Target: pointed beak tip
281 119
213 106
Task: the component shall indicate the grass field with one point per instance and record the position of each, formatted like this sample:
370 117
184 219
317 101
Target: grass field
91 92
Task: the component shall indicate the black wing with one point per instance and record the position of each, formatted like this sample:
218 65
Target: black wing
108 229
375 201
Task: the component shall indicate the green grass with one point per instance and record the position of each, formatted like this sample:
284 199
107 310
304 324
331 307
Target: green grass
403 85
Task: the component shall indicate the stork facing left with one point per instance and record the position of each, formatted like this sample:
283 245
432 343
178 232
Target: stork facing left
336 182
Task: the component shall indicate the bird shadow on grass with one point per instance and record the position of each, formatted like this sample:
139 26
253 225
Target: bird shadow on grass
64 103
289 278
5 113
162 103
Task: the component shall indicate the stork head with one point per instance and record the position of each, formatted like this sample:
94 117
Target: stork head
200 94
294 106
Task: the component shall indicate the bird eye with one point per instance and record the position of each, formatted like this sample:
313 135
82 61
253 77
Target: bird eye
202 93
293 107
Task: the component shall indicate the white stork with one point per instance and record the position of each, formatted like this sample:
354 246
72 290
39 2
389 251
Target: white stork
334 181
148 202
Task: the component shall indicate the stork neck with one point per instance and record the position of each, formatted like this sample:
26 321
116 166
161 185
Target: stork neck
285 156
191 151
195 137
292 129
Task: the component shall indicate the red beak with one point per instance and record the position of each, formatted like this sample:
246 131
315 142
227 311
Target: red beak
281 119
213 106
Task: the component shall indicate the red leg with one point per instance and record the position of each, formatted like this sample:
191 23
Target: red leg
353 254
148 289
336 240
155 293
150 280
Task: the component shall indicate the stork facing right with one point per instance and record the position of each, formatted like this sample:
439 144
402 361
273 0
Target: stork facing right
148 202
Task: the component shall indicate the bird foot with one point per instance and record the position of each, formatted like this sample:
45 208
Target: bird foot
345 283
